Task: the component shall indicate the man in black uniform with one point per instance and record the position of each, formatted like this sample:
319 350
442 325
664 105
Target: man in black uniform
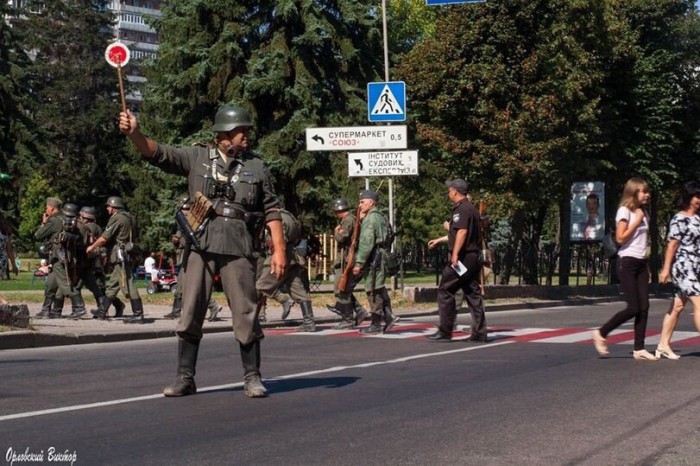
464 264
232 199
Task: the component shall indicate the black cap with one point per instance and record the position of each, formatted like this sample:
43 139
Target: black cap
369 194
460 185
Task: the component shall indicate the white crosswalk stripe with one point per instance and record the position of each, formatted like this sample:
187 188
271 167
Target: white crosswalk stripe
408 330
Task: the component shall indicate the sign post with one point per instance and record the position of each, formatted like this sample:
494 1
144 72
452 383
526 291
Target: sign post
397 163
117 55
350 138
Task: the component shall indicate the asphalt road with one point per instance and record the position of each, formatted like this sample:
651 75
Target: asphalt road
343 399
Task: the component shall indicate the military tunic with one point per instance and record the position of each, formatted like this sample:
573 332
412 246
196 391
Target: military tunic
368 257
344 238
52 226
227 244
117 233
62 280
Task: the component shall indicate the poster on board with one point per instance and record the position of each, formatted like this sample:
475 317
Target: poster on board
587 211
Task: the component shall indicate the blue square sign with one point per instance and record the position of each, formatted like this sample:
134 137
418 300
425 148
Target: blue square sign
386 101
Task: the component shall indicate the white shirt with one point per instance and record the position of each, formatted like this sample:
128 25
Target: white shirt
636 246
150 265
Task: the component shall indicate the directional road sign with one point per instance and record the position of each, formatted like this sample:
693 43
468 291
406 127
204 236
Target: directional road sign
386 101
447 2
383 163
349 138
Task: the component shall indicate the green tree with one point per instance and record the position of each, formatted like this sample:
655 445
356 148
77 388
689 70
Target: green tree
294 64
16 128
76 97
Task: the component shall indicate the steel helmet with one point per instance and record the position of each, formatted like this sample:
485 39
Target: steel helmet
116 202
70 210
88 212
229 118
340 204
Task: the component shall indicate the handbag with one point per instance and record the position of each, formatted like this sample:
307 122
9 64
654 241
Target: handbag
610 246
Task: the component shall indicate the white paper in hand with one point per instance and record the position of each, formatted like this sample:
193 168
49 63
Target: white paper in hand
459 268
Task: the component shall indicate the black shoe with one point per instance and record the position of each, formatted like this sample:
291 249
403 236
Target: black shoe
360 316
172 315
439 336
77 314
477 339
392 321
334 310
42 315
371 330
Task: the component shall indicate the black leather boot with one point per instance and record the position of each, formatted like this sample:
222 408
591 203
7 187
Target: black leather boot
287 308
103 303
307 312
375 327
346 313
55 313
360 312
45 308
176 311
186 361
78 306
137 308
119 307
389 318
250 357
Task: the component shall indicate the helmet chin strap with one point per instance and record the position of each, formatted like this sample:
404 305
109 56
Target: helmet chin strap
227 149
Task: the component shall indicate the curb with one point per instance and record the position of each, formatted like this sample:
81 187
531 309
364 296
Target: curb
22 339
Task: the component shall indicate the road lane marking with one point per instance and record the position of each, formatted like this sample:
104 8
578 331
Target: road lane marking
102 404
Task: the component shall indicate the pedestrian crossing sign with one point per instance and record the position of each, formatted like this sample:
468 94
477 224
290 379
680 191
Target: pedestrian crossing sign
386 101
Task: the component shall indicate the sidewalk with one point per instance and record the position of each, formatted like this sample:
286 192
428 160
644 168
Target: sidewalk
58 332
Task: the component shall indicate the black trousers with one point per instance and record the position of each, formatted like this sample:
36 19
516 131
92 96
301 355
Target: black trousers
449 284
634 283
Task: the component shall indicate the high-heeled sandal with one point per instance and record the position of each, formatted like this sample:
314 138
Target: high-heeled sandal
644 355
600 344
666 352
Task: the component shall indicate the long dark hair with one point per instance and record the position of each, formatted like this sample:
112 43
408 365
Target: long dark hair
688 192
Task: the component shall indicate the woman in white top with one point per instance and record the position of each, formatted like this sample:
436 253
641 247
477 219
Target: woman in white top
682 262
632 234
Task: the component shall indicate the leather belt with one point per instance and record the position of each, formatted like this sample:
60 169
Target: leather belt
229 212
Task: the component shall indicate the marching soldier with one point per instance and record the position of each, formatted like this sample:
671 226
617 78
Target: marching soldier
346 303
295 278
51 224
119 236
65 257
232 199
369 263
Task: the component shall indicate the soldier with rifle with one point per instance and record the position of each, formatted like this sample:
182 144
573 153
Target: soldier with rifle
66 249
346 235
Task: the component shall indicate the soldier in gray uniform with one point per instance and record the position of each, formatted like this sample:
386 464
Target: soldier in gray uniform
369 263
66 246
51 224
117 235
94 264
296 277
233 189
346 302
